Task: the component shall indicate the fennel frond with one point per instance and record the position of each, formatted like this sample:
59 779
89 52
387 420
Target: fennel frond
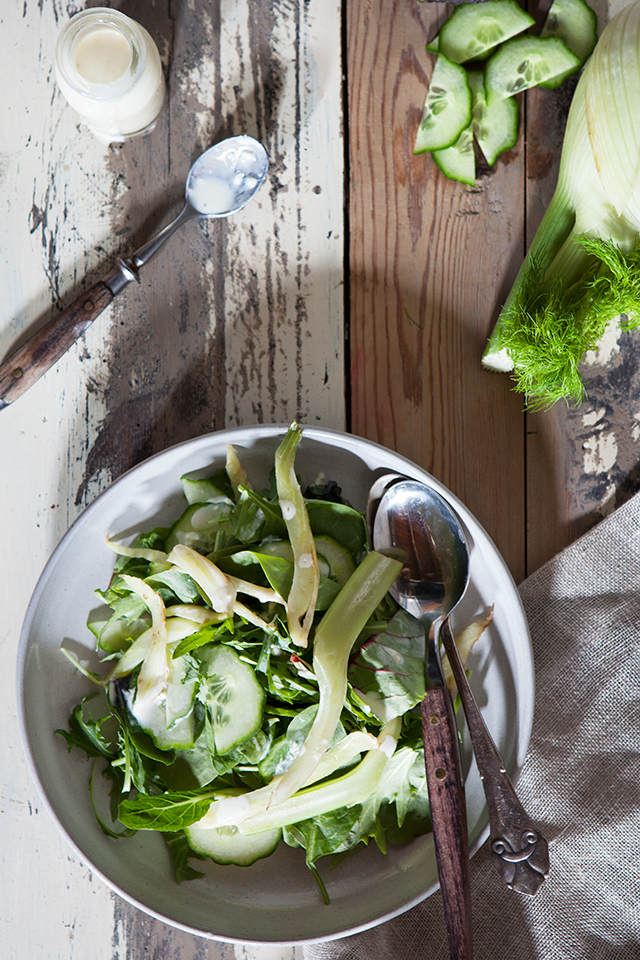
548 327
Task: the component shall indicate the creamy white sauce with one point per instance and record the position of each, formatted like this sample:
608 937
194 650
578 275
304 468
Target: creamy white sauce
212 195
288 509
305 561
102 55
232 810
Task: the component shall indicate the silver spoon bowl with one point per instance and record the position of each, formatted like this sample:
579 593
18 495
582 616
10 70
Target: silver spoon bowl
430 586
220 183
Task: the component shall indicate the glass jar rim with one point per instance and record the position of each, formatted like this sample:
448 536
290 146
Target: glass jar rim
71 35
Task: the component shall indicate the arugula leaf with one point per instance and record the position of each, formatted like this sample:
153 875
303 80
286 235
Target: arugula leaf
181 853
283 682
116 788
86 734
274 524
167 812
125 604
207 634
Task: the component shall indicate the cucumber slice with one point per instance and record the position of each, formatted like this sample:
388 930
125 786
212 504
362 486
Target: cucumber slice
574 22
458 162
277 548
208 488
434 45
447 108
233 696
169 719
525 62
227 845
474 30
199 525
334 560
341 563
115 635
494 127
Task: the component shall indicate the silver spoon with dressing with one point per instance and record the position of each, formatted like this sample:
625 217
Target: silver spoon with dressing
221 182
408 514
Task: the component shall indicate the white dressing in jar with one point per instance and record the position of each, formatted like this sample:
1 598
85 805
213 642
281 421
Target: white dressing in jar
108 69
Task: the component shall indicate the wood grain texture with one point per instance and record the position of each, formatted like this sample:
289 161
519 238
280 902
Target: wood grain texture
431 261
449 818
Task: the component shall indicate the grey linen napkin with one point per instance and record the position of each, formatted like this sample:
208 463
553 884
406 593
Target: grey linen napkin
580 781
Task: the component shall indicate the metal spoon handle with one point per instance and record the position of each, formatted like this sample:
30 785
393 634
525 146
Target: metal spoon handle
520 852
448 818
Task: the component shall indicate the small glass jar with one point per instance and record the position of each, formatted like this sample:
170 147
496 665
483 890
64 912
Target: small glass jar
108 69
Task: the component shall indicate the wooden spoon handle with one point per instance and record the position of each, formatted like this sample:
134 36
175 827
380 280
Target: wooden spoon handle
30 361
448 818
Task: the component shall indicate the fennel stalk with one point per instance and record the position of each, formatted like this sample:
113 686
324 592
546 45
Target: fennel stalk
582 268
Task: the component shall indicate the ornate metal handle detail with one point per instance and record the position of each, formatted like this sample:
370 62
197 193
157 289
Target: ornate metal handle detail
523 868
520 852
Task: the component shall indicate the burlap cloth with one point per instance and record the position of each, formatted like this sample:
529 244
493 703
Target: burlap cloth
580 781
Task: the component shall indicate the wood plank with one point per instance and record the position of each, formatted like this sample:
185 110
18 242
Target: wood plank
431 261
234 322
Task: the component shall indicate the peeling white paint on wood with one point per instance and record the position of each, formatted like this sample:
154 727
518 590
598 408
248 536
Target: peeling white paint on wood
600 453
233 323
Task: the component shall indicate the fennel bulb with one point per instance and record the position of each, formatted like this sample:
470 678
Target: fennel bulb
581 270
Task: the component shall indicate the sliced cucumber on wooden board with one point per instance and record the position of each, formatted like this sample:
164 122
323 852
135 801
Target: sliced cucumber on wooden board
458 162
447 107
524 62
577 24
494 127
474 30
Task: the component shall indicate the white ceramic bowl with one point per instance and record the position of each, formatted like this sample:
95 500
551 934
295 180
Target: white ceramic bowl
276 900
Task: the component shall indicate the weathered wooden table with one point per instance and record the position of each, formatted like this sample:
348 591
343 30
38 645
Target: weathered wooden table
356 292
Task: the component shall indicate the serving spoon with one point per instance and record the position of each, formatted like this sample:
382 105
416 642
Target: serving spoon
429 585
221 182
437 549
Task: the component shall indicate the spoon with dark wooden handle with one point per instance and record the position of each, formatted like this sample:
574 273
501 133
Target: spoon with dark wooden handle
425 589
520 852
221 182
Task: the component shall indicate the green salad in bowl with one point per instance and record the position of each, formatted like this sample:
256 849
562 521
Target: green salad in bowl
259 679
233 740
